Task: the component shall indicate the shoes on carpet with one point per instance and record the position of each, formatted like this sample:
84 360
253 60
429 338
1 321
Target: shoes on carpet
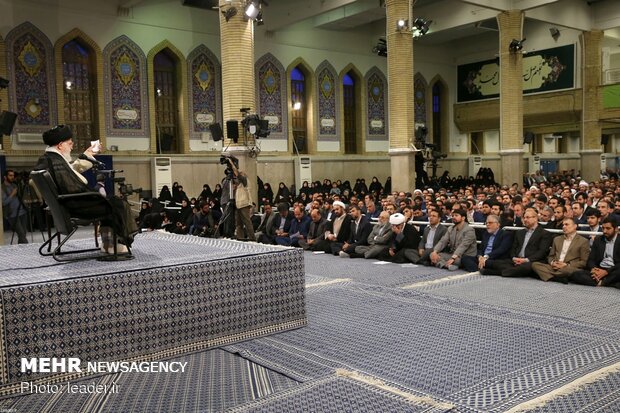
343 254
453 267
120 249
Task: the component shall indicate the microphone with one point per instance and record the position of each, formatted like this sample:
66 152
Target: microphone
91 160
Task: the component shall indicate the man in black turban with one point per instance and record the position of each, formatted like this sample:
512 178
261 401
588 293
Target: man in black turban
67 175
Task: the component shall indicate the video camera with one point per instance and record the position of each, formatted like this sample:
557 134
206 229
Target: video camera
123 188
226 160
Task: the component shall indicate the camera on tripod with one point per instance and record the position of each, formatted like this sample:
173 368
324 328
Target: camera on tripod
126 189
226 160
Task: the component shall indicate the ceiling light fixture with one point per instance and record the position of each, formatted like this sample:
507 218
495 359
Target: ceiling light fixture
420 27
381 48
516 46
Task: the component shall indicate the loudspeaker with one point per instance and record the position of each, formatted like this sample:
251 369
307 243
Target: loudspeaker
232 130
528 137
216 131
604 139
7 121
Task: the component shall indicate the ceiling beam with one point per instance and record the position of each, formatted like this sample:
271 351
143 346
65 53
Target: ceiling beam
285 13
531 4
462 13
498 5
345 12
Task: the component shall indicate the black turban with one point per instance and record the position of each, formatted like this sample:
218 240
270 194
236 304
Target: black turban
57 134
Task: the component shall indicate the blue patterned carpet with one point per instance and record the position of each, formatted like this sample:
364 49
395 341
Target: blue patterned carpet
213 381
367 272
461 344
478 356
18 262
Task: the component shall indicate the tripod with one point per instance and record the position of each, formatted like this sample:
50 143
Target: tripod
227 222
22 189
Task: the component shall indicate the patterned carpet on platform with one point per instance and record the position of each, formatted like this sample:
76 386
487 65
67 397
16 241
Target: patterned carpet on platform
392 338
147 249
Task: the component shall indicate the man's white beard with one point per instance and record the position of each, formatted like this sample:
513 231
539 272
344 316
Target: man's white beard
66 155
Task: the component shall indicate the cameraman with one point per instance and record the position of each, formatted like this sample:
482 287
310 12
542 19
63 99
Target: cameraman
67 175
243 204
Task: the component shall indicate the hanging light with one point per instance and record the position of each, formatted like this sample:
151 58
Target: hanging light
252 10
420 27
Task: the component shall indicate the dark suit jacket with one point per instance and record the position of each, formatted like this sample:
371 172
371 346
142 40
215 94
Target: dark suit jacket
277 221
317 229
501 244
360 237
440 232
597 252
345 229
537 248
410 238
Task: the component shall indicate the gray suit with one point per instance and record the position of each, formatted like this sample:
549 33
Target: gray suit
576 258
378 241
457 243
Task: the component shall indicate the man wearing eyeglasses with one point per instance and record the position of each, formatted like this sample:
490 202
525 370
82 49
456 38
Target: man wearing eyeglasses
496 243
67 174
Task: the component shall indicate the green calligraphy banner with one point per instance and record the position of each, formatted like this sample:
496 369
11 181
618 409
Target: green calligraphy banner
543 71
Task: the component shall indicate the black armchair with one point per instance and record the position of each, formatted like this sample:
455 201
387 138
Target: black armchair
66 225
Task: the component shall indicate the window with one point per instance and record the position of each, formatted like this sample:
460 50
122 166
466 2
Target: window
300 110
350 117
80 85
437 91
166 107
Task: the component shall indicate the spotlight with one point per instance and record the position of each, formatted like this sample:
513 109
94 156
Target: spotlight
256 126
420 27
555 32
252 10
259 19
296 105
516 45
4 83
158 92
229 13
380 48
402 24
68 85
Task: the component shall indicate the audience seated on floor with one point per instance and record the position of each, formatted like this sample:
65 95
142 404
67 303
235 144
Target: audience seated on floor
459 241
569 253
379 239
360 230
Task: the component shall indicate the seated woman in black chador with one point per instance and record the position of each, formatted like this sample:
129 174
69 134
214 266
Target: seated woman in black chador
67 175
164 194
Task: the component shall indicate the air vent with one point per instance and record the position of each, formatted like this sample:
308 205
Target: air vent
612 76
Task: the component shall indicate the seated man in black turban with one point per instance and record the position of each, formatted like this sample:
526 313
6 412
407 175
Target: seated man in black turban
67 175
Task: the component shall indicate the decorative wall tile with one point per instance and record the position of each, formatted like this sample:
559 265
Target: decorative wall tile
125 84
376 110
205 91
419 99
32 88
328 99
271 95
